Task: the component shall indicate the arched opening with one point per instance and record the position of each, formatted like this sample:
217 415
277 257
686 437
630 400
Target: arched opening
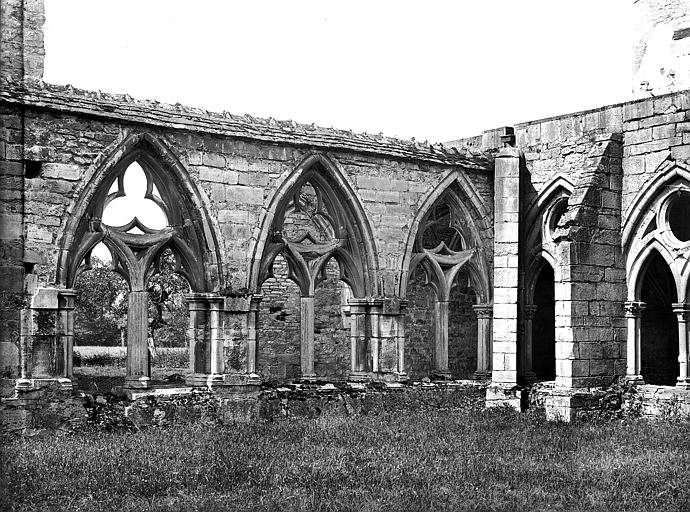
100 324
143 207
319 240
659 325
441 324
544 325
279 354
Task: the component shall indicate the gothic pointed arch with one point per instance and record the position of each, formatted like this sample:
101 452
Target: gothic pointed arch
187 229
658 222
313 217
447 231
545 212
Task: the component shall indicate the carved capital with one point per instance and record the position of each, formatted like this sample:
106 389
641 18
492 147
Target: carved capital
634 309
483 310
530 310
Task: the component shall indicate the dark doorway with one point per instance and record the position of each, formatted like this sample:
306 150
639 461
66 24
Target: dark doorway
544 326
659 343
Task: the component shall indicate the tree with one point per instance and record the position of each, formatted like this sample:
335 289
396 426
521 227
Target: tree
100 305
167 310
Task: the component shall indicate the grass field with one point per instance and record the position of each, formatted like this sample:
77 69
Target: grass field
99 369
439 460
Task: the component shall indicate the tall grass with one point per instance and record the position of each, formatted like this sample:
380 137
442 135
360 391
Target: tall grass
442 460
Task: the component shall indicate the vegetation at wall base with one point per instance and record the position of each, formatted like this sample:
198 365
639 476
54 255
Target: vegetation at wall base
426 460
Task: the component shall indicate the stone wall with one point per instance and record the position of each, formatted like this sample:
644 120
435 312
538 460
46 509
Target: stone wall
68 136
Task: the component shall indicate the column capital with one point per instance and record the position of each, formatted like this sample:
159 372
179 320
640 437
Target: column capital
634 309
681 308
483 310
530 310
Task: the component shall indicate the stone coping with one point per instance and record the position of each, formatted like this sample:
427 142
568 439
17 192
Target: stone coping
122 107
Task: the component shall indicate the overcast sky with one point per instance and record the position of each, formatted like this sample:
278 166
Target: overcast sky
432 70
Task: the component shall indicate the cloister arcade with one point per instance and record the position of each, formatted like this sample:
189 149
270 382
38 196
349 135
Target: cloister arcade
312 307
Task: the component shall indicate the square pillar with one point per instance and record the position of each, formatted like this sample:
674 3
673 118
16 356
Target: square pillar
506 282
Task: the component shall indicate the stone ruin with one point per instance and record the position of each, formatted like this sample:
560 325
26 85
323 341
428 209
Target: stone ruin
554 251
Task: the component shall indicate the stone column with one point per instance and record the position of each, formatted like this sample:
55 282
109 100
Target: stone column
138 369
682 309
526 369
402 374
195 335
441 340
373 316
216 338
358 341
633 312
307 338
252 336
66 308
483 312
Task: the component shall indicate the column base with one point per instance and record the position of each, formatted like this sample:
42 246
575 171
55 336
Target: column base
137 382
504 395
634 380
441 375
359 376
482 375
217 380
309 377
683 383
59 384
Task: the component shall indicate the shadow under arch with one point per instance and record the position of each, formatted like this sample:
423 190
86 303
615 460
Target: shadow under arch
359 264
190 231
659 349
456 189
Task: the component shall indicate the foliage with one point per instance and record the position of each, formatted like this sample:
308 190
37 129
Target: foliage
167 311
100 305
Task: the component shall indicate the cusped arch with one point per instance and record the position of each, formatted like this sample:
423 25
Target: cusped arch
355 250
542 259
456 188
636 267
190 230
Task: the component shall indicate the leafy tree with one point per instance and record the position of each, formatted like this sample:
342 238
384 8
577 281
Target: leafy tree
100 306
167 310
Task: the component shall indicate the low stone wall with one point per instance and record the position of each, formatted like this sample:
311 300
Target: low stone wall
57 410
